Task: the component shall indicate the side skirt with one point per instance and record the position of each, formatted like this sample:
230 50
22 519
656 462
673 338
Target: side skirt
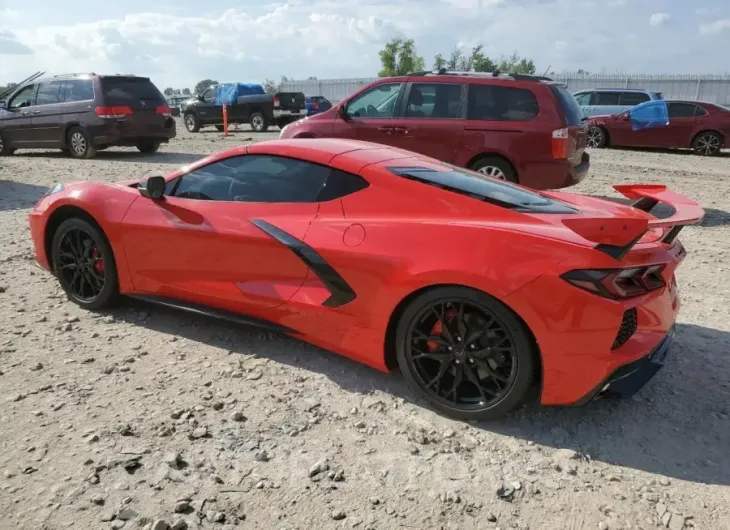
220 314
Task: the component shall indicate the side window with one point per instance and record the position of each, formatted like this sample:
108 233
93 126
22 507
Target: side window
583 99
500 103
681 110
78 90
607 98
378 102
435 100
209 95
254 178
24 98
48 93
340 184
633 98
700 111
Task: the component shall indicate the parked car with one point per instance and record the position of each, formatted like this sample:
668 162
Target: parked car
518 128
85 113
317 104
249 104
477 289
603 101
702 127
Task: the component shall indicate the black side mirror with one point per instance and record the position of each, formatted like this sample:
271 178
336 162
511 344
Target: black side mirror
342 112
3 105
153 188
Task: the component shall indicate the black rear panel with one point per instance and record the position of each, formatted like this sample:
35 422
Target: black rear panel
139 93
294 101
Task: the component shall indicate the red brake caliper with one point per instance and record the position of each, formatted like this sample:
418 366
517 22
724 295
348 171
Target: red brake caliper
98 261
438 329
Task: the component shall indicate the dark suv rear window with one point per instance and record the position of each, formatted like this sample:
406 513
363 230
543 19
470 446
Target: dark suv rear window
571 110
483 188
130 91
501 103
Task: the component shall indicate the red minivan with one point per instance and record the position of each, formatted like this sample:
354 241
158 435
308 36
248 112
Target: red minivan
519 128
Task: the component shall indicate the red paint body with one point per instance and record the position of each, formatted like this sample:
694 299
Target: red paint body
388 241
678 134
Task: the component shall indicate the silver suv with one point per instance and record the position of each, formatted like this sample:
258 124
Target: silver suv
606 101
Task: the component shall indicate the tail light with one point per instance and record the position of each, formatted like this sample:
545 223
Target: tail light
113 112
164 110
561 143
617 284
315 106
276 101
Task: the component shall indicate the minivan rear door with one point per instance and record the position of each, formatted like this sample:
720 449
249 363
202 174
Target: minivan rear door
140 95
575 121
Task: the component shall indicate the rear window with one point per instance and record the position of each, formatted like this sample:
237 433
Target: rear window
634 98
500 103
571 110
130 91
483 188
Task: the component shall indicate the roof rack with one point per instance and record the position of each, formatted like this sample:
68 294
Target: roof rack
496 73
74 74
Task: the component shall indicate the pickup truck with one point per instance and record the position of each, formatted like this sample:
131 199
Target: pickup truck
245 103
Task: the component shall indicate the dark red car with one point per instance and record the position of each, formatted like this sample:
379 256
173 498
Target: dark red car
702 127
521 128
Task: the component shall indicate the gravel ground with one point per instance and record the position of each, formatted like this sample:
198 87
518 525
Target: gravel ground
144 417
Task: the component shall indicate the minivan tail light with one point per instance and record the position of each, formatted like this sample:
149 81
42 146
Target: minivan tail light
618 284
276 101
164 110
561 143
315 106
113 112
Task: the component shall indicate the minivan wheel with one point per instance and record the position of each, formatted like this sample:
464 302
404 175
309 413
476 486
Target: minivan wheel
148 147
596 137
192 123
495 167
258 122
79 143
5 149
707 143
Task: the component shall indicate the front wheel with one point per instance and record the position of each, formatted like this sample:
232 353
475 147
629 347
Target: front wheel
465 353
257 120
84 264
5 149
707 144
192 123
495 167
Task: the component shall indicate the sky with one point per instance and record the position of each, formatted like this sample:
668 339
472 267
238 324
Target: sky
177 43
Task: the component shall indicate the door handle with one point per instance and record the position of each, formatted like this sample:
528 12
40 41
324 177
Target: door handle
405 131
36 112
386 130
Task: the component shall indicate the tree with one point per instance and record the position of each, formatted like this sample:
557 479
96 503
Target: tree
272 87
398 57
169 91
9 86
203 85
476 61
514 64
186 91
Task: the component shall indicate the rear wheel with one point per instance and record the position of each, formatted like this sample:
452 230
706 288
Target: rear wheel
148 147
495 167
257 120
84 264
465 353
5 149
79 143
192 123
596 137
707 144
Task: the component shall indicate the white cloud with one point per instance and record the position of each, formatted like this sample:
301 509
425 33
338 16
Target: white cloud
659 19
341 38
718 26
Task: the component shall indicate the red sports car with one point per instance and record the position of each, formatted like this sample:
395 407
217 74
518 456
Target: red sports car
702 127
477 289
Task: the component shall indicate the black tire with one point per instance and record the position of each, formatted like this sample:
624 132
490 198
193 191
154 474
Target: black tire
77 233
5 149
258 122
219 127
192 122
148 147
522 354
495 166
79 143
597 137
707 144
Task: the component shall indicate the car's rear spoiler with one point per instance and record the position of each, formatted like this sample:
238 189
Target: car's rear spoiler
616 236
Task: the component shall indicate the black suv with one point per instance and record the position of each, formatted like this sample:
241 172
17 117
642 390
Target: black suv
84 113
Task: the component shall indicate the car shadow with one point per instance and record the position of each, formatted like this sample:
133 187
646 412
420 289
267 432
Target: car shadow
160 157
713 217
676 426
18 195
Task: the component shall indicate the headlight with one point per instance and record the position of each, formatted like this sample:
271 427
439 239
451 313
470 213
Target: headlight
55 189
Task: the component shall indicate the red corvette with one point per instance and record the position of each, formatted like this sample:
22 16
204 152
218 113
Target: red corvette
477 289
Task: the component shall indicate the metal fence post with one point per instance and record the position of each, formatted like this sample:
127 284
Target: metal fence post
697 92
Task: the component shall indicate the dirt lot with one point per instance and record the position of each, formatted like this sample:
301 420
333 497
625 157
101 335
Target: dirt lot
145 417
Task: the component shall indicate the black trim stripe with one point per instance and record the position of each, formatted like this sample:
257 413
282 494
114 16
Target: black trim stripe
341 292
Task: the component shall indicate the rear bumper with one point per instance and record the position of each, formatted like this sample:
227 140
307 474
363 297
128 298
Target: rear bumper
120 133
628 379
293 114
555 174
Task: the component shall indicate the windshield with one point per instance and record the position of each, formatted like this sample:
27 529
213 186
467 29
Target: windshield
482 187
